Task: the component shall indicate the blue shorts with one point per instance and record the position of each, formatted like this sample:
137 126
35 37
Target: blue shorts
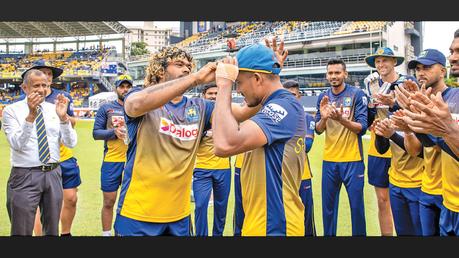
112 173
70 173
449 222
125 226
378 171
404 203
430 206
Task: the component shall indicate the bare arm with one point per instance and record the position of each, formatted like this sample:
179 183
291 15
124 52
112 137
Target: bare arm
155 96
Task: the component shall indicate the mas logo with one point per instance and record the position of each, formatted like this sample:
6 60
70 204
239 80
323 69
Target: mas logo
192 114
181 132
275 112
347 102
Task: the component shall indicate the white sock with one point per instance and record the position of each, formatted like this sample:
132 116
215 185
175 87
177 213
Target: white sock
107 233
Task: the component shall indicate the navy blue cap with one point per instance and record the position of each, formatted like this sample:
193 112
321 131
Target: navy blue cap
40 63
428 57
123 78
258 58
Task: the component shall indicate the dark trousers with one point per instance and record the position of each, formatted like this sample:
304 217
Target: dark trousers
29 188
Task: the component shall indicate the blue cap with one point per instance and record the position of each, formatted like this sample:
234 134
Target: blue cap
123 78
258 58
40 63
428 57
383 51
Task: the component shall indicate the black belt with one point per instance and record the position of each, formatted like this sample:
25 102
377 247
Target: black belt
47 167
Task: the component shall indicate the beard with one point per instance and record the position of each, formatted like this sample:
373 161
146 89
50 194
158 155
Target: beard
121 97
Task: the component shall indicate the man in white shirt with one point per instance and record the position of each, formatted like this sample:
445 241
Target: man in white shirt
34 130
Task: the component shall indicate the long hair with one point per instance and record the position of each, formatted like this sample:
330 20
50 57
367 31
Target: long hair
159 61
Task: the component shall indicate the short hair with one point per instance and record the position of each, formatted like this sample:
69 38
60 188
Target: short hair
159 61
205 87
456 34
290 84
334 61
29 73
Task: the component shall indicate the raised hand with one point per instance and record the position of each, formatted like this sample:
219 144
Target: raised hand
33 100
384 128
62 104
206 74
336 112
398 122
280 52
227 72
324 108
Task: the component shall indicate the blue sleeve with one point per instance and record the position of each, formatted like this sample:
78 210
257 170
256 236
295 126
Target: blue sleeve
318 110
70 107
361 111
442 144
99 131
126 117
276 118
209 106
310 124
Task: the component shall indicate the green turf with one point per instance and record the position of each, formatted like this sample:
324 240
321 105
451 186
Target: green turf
87 220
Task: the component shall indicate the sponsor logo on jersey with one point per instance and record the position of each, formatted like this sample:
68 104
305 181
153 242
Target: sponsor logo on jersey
455 118
275 112
365 100
312 125
347 102
192 114
181 132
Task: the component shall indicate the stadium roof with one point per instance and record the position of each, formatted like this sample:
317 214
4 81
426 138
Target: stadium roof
35 29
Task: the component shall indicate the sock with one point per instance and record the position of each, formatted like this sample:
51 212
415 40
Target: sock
66 235
107 233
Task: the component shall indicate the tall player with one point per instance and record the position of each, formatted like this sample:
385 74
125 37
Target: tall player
379 86
342 115
109 126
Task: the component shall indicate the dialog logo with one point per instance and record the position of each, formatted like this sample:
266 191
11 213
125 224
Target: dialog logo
181 132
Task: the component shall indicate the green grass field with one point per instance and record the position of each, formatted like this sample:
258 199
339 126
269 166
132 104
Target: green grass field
87 220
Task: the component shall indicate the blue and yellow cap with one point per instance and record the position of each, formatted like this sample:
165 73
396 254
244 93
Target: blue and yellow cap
123 78
383 51
258 58
40 63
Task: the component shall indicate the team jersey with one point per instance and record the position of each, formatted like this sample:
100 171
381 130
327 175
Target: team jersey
431 178
381 113
108 117
239 160
206 158
310 127
271 175
405 171
65 152
449 164
161 156
341 144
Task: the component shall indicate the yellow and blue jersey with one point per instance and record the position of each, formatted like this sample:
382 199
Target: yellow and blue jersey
205 158
431 178
382 112
449 161
341 144
65 152
405 171
271 175
161 156
310 128
239 160
107 118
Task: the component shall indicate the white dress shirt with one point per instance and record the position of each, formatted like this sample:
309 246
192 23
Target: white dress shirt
22 135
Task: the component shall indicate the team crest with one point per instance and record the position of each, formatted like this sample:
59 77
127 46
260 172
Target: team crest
347 102
423 54
192 114
380 51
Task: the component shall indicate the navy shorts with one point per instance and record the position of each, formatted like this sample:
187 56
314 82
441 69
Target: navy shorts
70 173
125 226
112 173
378 171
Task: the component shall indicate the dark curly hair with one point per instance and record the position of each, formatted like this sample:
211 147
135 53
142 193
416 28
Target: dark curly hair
159 61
